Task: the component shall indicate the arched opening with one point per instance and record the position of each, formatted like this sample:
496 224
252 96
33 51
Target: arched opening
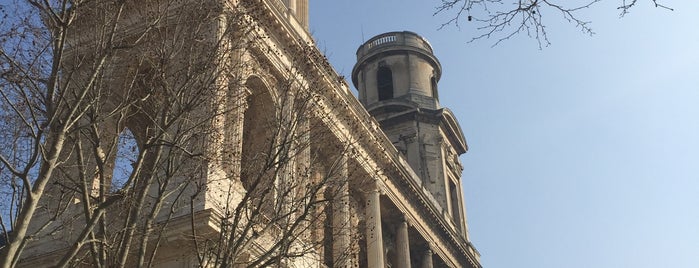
384 82
258 136
127 151
433 83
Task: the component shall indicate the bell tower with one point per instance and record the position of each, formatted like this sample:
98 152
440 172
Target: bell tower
396 75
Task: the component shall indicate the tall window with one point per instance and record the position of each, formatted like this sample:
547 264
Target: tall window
433 82
384 81
258 142
455 204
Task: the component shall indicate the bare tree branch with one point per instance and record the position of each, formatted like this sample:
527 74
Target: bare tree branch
501 19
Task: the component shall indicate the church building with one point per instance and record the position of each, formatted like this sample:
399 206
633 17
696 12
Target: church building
276 163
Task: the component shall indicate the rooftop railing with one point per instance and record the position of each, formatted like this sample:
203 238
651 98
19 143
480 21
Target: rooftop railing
395 39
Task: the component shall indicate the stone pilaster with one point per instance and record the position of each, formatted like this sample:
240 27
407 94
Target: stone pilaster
233 148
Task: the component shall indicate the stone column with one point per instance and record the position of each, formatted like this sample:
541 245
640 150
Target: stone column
341 220
402 245
374 236
427 260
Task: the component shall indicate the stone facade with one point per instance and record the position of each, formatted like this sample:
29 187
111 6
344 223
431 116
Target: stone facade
393 154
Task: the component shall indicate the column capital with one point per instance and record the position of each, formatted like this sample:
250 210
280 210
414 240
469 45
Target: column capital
376 186
240 89
430 246
404 218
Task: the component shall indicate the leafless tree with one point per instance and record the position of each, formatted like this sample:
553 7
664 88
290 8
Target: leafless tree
502 20
81 81
292 170
289 181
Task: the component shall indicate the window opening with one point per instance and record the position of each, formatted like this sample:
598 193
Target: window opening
455 204
385 83
126 157
433 82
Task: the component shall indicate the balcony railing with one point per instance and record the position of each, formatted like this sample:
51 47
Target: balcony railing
394 38
381 41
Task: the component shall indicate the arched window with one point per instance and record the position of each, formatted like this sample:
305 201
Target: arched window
384 81
258 135
433 82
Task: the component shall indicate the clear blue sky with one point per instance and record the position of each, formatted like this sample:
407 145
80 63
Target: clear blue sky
583 154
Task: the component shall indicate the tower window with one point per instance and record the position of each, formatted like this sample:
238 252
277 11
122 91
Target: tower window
455 203
384 81
433 82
